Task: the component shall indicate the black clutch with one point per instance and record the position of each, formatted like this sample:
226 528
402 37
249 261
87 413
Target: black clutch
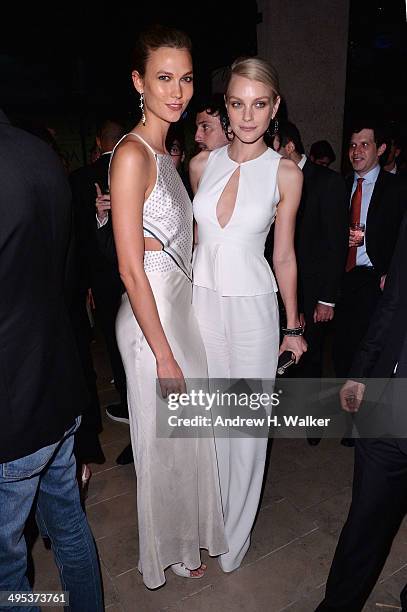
285 360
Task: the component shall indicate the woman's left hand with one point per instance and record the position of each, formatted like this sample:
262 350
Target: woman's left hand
295 344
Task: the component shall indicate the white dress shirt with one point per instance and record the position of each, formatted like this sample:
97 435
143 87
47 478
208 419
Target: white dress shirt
302 161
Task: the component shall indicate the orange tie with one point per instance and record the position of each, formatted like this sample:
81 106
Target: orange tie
355 208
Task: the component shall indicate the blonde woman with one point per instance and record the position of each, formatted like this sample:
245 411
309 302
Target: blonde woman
238 189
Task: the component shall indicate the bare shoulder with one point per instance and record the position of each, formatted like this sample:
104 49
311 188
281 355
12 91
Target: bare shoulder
198 162
196 169
131 152
133 169
289 171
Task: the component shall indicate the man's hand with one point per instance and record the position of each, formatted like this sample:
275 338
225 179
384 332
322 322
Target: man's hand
351 395
354 239
323 313
102 204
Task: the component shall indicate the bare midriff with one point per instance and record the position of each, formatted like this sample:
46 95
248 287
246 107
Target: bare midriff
152 244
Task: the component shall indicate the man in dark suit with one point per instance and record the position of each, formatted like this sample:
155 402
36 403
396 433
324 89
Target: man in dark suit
97 247
321 246
379 500
41 389
375 200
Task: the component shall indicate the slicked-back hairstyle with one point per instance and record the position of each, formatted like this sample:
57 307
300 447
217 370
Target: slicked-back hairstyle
256 69
155 37
289 132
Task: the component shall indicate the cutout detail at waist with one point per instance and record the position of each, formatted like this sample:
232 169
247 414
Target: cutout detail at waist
152 244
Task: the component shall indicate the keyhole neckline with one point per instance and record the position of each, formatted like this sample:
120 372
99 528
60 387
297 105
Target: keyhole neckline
235 172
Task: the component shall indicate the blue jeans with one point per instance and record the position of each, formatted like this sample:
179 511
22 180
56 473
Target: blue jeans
49 473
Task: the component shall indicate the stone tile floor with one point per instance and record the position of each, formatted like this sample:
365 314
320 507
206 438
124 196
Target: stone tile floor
306 497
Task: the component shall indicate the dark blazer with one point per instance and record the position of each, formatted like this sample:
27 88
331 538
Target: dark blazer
385 343
105 238
321 233
41 385
384 216
401 177
96 246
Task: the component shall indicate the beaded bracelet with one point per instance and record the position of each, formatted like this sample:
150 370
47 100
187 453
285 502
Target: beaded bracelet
293 331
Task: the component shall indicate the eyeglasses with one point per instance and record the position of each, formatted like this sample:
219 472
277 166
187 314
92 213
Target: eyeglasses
175 150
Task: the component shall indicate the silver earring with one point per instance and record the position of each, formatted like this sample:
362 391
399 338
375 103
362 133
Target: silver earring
275 126
141 106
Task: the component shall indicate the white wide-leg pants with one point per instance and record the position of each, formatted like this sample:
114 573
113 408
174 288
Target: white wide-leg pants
241 338
178 498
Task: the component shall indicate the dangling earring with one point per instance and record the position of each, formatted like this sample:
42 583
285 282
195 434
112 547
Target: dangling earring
275 130
141 106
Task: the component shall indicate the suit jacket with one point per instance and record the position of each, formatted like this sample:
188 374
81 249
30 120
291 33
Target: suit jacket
401 177
41 384
384 217
321 234
385 344
96 247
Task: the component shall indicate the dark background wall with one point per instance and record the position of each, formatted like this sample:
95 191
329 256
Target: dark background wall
68 64
308 45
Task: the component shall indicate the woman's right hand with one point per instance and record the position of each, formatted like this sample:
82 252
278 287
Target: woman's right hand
170 377
294 344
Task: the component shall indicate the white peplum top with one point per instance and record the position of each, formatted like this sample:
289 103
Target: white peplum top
231 260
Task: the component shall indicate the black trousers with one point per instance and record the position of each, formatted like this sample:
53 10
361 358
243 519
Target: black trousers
360 294
379 503
107 302
87 445
310 365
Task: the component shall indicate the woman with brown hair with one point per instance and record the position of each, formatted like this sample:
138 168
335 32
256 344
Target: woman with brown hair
178 497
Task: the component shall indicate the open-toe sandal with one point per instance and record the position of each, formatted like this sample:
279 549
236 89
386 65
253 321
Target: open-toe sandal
180 569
